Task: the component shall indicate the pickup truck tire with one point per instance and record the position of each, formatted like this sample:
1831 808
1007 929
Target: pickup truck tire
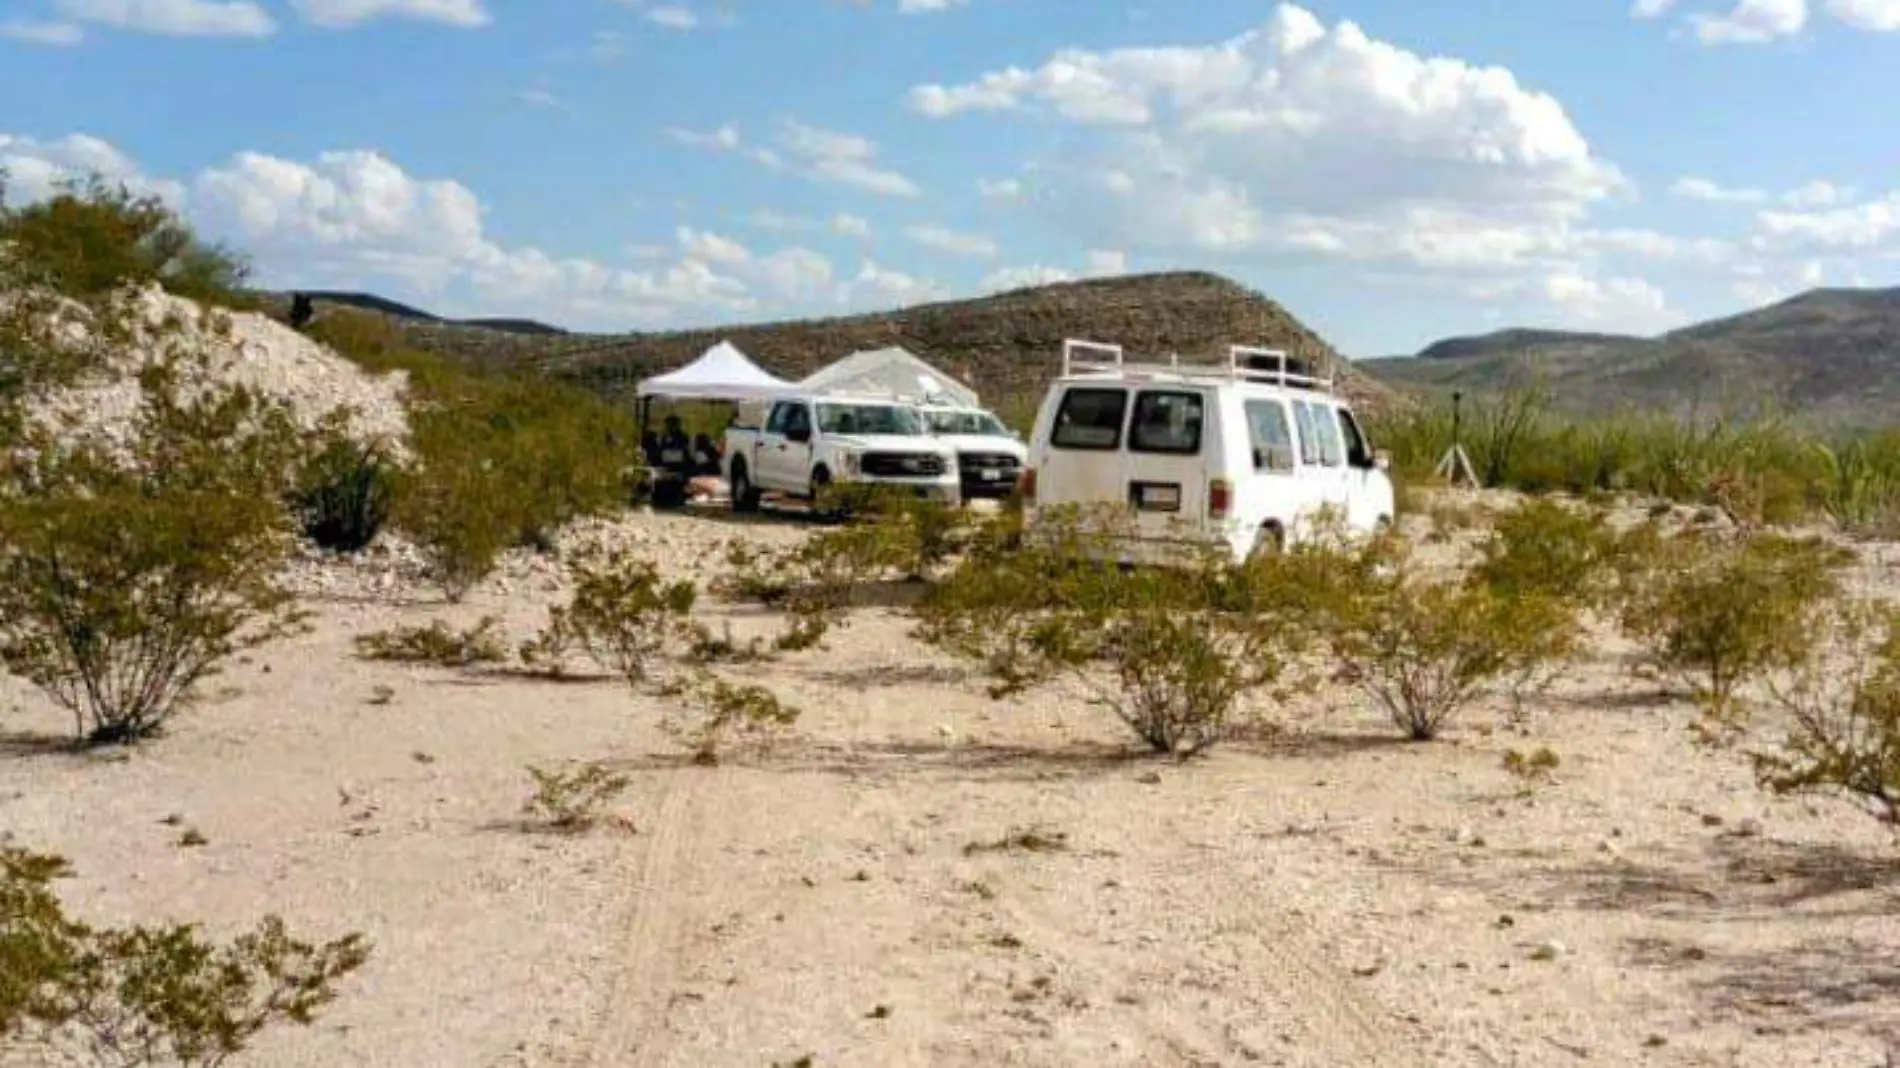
745 496
820 483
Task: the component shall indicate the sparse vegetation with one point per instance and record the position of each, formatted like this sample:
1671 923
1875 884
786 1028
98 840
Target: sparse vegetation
1718 611
569 800
437 643
716 711
344 488
148 995
622 615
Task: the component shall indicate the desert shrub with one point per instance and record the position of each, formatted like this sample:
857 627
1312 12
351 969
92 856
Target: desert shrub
437 643
1554 560
1841 712
343 488
922 533
1716 612
1535 766
818 581
707 646
622 615
714 712
507 461
147 995
1425 648
127 579
1171 652
91 239
570 800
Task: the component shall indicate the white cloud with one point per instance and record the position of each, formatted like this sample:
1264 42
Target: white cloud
1298 139
1817 194
1703 189
337 14
1870 226
1649 9
1752 22
924 7
1036 274
847 225
35 31
1000 189
943 239
1879 16
673 17
356 219
1623 304
815 153
179 18
539 98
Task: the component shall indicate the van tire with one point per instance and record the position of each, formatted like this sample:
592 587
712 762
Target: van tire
1269 540
745 496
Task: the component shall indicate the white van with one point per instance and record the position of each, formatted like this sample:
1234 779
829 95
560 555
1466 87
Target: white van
1245 453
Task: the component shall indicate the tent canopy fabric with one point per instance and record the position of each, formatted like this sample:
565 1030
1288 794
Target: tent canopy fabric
720 373
892 370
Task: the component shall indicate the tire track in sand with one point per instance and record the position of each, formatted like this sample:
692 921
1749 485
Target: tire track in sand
648 942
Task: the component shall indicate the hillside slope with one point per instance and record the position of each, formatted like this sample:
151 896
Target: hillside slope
1007 345
1827 356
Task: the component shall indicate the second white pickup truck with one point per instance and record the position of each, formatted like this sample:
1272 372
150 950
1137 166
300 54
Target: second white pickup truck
809 442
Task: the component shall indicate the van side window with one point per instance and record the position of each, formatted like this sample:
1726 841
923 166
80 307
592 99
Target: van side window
1272 437
1309 435
1358 453
1167 421
1090 419
1332 452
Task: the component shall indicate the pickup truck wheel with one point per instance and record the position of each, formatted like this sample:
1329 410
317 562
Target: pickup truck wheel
820 489
745 496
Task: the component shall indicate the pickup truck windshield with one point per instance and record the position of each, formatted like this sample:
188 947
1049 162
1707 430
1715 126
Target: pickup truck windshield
955 422
868 419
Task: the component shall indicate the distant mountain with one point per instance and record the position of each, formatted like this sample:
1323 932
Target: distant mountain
1828 357
397 310
1007 345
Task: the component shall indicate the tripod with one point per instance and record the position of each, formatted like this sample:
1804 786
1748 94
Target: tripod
1455 463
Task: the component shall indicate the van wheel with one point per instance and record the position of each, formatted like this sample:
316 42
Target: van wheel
745 496
1269 540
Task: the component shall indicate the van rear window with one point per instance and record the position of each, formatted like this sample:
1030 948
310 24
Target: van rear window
1167 421
1090 419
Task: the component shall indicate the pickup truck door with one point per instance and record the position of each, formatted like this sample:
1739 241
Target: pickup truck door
785 455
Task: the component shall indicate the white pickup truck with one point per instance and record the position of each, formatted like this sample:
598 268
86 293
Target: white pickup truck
808 442
990 457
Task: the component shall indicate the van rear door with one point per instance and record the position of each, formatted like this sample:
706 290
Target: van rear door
1166 471
1078 461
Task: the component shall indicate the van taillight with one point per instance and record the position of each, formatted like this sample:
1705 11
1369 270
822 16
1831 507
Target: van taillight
1026 485
1220 498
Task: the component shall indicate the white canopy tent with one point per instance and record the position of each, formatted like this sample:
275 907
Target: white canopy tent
895 371
720 373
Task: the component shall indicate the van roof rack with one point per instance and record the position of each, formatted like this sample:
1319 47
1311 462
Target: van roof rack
1244 363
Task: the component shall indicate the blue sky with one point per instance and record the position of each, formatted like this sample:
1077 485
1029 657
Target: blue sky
1391 171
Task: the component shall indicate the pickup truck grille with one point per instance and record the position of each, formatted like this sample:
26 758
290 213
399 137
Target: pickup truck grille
901 464
986 461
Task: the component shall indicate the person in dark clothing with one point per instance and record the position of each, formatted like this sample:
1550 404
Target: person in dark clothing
705 455
675 449
301 311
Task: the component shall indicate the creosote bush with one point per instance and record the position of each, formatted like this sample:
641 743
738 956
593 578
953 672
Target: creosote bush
622 615
91 239
1171 652
1425 647
569 800
147 995
1719 611
1557 561
716 712
1841 713
127 579
437 643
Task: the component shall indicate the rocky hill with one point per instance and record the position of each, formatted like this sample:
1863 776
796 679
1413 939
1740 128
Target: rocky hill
1829 357
1006 345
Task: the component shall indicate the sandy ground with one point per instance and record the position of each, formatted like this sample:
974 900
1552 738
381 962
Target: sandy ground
1333 897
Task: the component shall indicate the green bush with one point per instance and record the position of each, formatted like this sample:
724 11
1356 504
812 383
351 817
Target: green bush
92 238
622 615
343 489
147 995
126 580
1842 714
1172 652
715 711
436 644
1717 611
